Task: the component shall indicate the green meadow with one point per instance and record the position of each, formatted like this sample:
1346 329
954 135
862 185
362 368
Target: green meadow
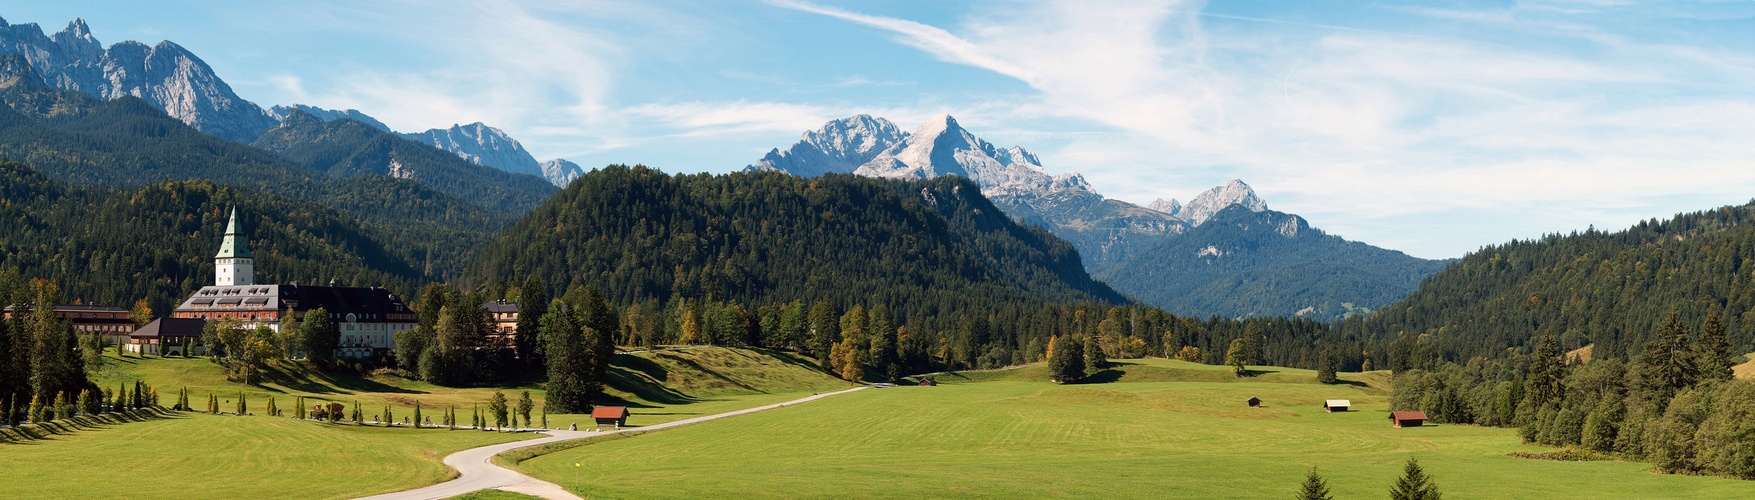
1148 429
192 455
187 455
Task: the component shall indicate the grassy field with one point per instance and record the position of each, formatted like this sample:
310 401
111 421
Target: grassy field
657 386
191 455
1154 429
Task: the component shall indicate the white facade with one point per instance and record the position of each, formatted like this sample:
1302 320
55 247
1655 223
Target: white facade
234 271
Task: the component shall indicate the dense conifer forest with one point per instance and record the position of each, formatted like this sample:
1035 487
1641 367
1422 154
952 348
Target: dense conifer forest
114 246
78 139
1610 290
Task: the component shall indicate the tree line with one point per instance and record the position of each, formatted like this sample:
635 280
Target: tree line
1676 405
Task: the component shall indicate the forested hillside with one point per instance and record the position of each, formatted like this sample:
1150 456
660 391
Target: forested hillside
639 233
1242 263
346 148
1611 289
81 140
113 246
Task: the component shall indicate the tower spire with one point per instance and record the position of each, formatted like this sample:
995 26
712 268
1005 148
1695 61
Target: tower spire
234 265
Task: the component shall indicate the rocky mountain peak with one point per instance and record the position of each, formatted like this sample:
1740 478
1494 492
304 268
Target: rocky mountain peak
561 172
75 30
1170 206
482 145
282 112
1213 200
166 76
839 146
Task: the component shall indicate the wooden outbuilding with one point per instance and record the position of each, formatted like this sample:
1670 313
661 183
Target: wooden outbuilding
1254 402
1337 405
1407 418
610 415
926 382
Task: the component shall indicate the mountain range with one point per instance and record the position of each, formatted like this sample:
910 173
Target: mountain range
172 79
1116 239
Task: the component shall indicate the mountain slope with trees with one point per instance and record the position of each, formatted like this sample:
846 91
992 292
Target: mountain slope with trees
82 140
638 233
346 148
114 246
1610 289
1243 263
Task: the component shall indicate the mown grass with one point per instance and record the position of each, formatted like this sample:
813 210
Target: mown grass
657 386
1161 429
188 455
184 455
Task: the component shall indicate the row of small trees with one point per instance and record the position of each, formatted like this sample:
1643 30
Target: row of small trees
500 411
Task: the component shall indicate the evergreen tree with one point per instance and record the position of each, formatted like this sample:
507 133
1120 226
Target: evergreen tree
497 407
1325 369
1712 353
532 306
569 363
1669 361
417 414
359 414
1542 385
389 420
824 331
545 416
1066 359
242 409
59 408
525 405
270 410
36 409
1414 484
1314 488
885 358
1237 356
1095 359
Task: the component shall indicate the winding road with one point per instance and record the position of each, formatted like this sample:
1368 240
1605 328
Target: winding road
476 470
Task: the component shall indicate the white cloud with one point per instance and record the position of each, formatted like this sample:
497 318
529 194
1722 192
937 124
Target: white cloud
1350 126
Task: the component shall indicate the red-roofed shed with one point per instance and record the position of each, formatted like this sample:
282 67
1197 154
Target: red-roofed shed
610 415
1407 418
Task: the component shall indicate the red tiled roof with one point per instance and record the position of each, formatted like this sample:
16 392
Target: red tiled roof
1408 415
609 412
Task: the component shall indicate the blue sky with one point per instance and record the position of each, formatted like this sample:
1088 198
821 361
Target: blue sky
1432 127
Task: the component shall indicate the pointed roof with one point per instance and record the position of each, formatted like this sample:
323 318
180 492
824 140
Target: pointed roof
233 245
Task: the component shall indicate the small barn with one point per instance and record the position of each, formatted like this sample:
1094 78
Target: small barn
1407 418
926 382
1337 405
610 415
1254 402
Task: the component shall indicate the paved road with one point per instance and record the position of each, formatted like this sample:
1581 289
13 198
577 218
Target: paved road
476 470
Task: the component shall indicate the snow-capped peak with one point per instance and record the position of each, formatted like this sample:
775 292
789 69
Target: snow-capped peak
839 146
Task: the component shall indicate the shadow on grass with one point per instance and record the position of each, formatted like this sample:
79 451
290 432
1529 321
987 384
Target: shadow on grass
303 379
30 433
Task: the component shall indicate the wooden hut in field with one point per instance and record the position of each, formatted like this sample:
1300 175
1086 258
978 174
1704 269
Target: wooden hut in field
926 382
610 415
1337 405
1407 418
1254 402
